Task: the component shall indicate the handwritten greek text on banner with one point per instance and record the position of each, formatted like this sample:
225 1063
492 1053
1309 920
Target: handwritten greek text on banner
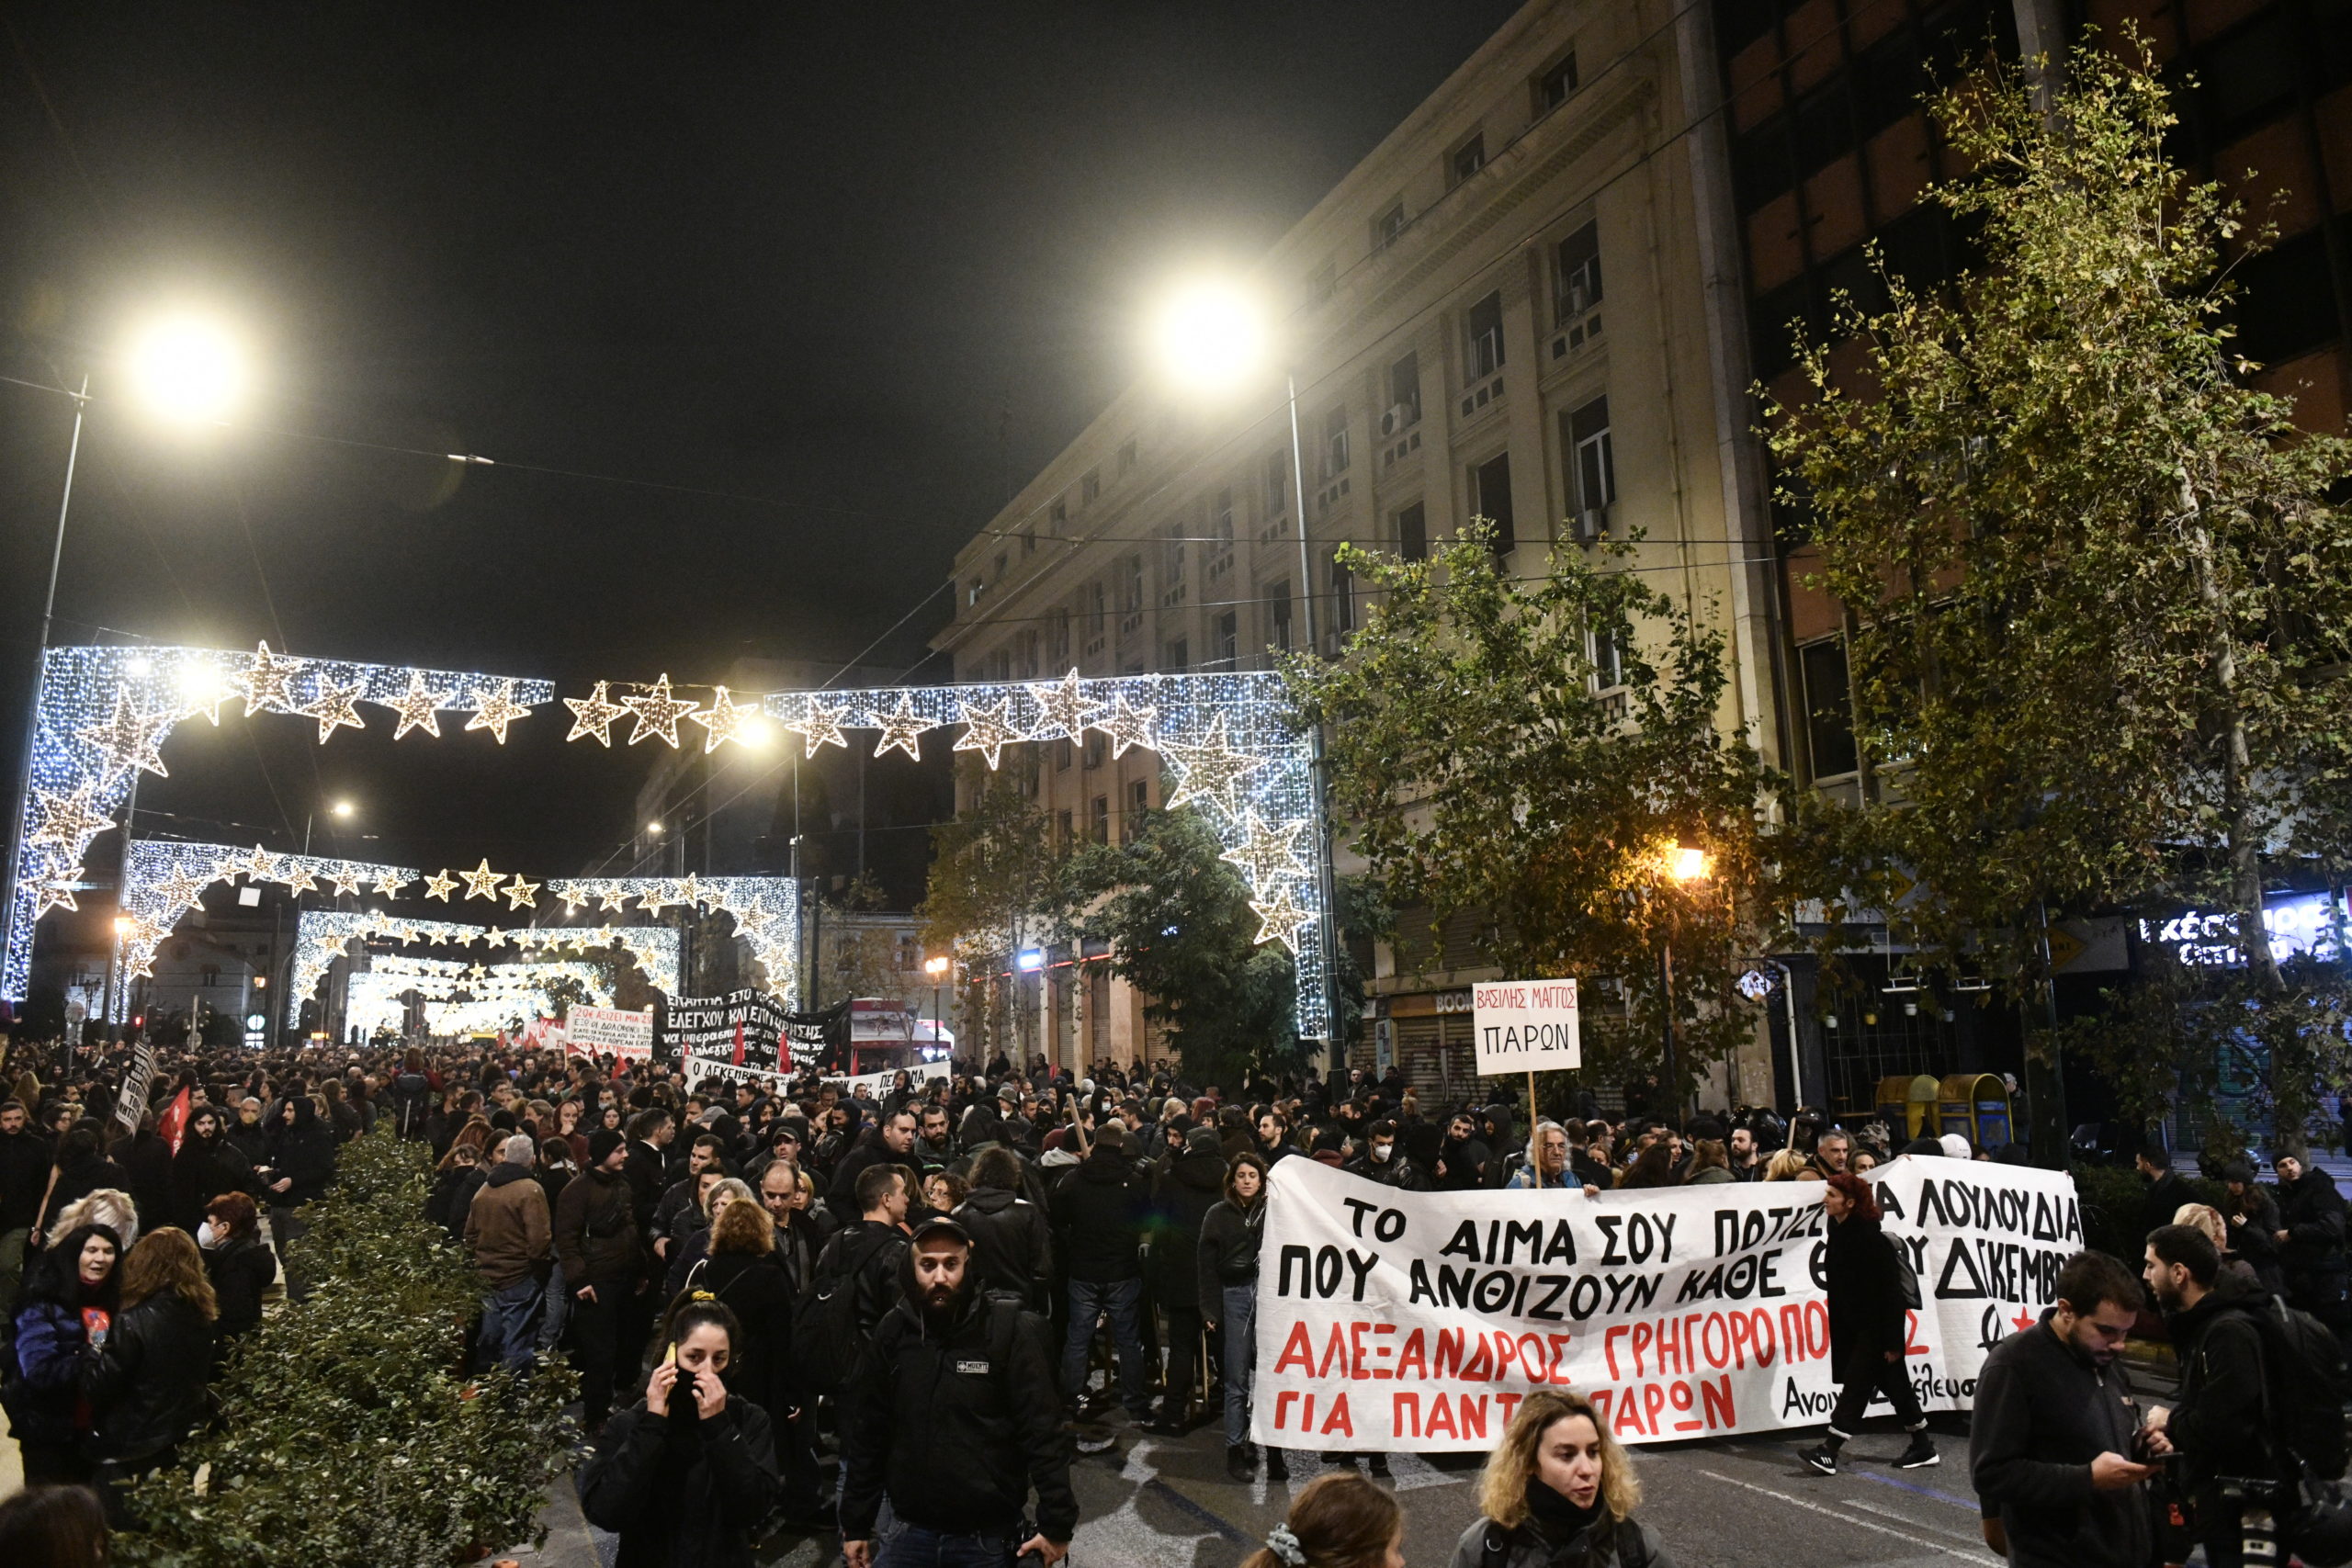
1419 1320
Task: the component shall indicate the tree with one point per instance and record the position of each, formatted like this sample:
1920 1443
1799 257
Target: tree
1534 752
996 878
2097 593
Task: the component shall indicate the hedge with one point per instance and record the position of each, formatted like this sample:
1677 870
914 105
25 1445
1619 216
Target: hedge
348 1431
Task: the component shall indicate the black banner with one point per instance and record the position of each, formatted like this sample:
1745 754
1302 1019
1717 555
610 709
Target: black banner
740 1035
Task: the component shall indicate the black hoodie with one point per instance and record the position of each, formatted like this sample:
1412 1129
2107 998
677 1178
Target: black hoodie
1190 1186
1099 1214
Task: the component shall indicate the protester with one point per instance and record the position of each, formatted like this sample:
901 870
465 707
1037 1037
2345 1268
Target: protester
71 1294
1710 1163
1384 1162
1558 1489
2251 1215
684 1475
1099 1217
146 1381
1182 1194
2167 1189
53 1527
1863 1281
1339 1520
23 1178
1012 1237
2310 1236
238 1262
865 1254
510 1236
1231 1236
596 1239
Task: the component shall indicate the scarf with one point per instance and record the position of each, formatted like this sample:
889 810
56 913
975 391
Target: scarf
1558 1520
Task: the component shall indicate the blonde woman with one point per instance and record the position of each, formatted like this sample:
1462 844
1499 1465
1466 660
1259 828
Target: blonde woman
1558 1493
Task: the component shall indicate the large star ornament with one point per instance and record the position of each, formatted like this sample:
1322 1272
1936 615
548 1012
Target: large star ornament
725 719
498 710
1267 849
437 886
1280 919
418 708
266 683
988 730
1063 712
519 893
656 712
69 821
130 738
333 709
820 726
594 714
482 882
1129 724
1211 770
900 729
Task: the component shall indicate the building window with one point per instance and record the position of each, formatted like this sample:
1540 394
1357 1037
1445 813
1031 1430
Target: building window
1467 159
1028 542
1131 585
1226 643
1098 606
1057 515
1388 225
1490 499
1277 596
1089 487
1593 462
1025 664
1335 442
1277 484
1828 708
1138 803
1062 830
973 590
1174 551
1100 828
1057 638
1404 395
1221 518
1482 338
208 977
1180 656
1606 645
1094 748
1413 533
1343 598
1554 86
1576 280
1064 750
1127 456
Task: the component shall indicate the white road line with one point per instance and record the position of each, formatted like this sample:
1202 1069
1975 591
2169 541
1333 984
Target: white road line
1859 1524
1906 1519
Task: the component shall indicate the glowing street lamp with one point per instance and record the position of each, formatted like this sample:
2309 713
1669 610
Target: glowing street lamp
187 368
1686 864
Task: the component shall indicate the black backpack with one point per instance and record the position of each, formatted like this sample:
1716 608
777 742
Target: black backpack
825 1336
2303 1366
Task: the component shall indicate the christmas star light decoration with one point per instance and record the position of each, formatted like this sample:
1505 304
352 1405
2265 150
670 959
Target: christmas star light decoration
346 880
594 714
201 691
1211 770
418 708
519 893
260 866
266 683
184 890
655 901
298 878
69 821
724 719
1129 724
333 707
140 968
612 899
900 729
1267 851
821 725
988 730
1280 919
482 882
1065 714
130 739
656 712
572 895
56 894
498 710
690 891
389 883
437 886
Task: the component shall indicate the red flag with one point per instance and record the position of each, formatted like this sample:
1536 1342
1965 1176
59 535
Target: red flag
739 1042
172 1124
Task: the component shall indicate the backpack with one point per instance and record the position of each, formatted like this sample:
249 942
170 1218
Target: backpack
411 1097
2308 1382
1907 1278
825 1336
1625 1537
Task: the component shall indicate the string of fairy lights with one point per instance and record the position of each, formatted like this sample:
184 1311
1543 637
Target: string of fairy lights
321 936
1229 748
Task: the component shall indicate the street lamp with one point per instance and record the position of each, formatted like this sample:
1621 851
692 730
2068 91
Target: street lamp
1686 862
937 969
1212 336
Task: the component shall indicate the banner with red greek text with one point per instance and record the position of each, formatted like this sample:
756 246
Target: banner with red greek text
1389 1320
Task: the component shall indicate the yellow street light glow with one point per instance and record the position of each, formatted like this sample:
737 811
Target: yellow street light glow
654 829
1210 335
934 966
1688 863
123 924
342 809
187 368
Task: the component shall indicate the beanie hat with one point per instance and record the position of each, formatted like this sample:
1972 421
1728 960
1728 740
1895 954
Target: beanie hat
2291 1147
1203 1141
602 1143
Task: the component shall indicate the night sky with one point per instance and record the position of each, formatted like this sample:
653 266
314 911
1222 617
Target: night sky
823 282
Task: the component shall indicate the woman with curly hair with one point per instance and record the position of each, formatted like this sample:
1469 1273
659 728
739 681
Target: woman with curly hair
1558 1493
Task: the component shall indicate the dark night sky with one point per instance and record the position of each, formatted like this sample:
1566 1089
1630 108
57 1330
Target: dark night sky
853 265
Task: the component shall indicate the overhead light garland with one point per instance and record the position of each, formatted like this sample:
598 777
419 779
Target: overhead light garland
321 936
724 719
497 710
333 707
418 708
658 713
594 714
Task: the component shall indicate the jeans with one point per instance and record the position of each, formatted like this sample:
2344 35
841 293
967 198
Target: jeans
915 1546
1867 1370
559 1307
1118 1299
510 1321
1238 1323
1184 1360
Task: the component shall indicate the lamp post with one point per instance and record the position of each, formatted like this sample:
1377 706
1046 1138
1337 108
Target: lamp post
182 369
1211 338
1685 863
937 969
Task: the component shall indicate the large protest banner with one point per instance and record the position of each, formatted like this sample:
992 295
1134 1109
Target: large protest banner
1391 1320
731 1036
616 1031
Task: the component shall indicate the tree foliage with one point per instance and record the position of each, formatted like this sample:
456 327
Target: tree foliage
1487 762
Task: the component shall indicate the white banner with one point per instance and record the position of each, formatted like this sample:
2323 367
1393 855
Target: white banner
1396 1320
878 1084
609 1031
1526 1026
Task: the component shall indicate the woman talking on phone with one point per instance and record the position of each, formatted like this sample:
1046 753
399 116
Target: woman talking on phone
684 1475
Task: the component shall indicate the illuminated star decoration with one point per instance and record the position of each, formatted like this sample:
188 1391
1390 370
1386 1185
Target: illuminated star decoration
656 712
820 726
573 897
498 710
613 899
900 729
332 708
1267 851
298 878
260 866
724 720
417 707
519 893
346 880
1210 770
57 894
1065 715
129 738
1280 919
689 891
203 692
655 901
988 730
266 682
184 891
439 886
595 714
389 883
482 882
1129 724
69 821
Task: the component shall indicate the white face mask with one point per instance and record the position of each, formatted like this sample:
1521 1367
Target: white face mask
206 1236
1380 1151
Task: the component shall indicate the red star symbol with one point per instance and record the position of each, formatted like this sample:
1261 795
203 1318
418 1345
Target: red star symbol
2023 1321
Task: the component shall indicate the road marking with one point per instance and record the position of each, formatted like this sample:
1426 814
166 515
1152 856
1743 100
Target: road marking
1918 1491
1858 1524
1906 1519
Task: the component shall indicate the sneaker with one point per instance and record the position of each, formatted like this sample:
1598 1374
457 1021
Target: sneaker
1095 1440
1919 1455
1277 1467
1379 1466
1821 1459
1239 1464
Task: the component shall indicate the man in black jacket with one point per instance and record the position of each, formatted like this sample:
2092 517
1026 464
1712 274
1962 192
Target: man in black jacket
869 1249
890 1143
1011 1239
1384 1160
2217 1421
597 1242
24 1177
2052 1443
1191 1185
2167 1191
2310 1235
1099 1215
952 1413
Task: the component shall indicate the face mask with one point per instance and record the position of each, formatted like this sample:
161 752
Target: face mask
206 1236
1380 1151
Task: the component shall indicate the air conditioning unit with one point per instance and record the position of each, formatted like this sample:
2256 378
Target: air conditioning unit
1397 418
1591 525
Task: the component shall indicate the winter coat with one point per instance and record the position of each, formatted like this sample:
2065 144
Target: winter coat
1596 1548
1182 1199
1099 1217
201 1171
1228 1252
1398 1171
841 1196
957 1440
2311 1211
2217 1421
304 1154
1012 1247
756 1289
2043 1414
2253 1237
146 1384
595 1231
78 1181
2164 1198
242 1272
682 1494
1463 1166
1711 1176
452 1198
144 1170
870 1250
1866 1306
24 1177
508 1229
408 1101
41 1389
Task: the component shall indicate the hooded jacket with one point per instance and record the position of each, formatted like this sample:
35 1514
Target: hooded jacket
1866 1306
1191 1185
2218 1422
41 1389
595 1230
2311 1212
869 1250
2043 1412
1228 1252
1012 1247
242 1272
955 1438
201 1171
509 1232
1598 1547
756 1289
682 1492
304 1154
1099 1214
24 1176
